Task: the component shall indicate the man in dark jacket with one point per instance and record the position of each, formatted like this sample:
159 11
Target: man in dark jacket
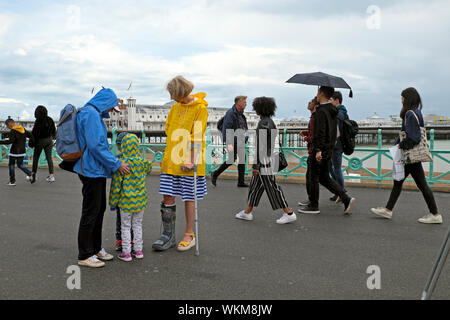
324 140
17 138
234 135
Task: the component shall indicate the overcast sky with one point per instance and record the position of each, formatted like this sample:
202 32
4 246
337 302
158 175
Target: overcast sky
54 52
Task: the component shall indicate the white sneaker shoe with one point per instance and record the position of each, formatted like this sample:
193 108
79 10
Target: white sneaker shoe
431 219
382 212
91 262
244 216
28 178
50 179
105 256
285 218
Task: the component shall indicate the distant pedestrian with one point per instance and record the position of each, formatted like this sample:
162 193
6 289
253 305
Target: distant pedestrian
128 193
308 138
336 158
324 140
95 166
263 170
17 138
44 132
412 122
236 122
185 131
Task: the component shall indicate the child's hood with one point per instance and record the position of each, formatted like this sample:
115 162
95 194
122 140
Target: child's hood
130 146
19 129
200 99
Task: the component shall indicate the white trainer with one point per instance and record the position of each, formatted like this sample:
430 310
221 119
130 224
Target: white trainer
431 219
382 212
91 262
244 216
105 256
50 179
285 218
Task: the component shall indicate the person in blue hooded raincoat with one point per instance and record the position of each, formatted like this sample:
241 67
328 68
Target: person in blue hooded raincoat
96 165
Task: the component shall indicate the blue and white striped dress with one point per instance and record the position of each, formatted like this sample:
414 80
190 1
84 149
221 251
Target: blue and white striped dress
182 186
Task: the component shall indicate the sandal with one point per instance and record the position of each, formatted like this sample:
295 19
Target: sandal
186 245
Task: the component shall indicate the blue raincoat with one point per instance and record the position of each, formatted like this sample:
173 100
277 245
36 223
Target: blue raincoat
98 161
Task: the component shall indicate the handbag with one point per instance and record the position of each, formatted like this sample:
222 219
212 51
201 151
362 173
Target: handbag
282 162
420 152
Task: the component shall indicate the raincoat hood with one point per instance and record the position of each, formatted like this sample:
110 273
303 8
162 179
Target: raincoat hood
130 147
41 112
199 99
19 129
103 101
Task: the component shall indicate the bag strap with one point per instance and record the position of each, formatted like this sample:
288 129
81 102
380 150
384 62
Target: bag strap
415 115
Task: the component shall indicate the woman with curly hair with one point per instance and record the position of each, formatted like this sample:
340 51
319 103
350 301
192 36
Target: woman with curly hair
263 175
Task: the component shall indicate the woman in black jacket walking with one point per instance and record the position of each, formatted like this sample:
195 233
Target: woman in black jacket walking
44 132
263 177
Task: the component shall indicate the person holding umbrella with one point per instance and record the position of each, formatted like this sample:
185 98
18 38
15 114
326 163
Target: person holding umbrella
323 143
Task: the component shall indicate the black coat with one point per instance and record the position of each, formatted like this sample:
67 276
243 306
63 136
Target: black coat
18 141
44 126
325 129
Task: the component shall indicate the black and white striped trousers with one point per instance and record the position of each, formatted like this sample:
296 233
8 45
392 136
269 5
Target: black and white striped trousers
261 183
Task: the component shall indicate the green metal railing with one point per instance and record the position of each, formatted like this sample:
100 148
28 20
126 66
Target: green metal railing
299 154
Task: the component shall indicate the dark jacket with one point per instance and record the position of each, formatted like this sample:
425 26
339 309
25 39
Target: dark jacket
265 148
44 126
412 129
234 120
341 116
18 141
325 129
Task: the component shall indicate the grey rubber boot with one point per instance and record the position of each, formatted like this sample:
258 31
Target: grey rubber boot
167 239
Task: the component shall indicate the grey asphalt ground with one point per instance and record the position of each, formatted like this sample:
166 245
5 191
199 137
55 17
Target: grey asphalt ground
317 257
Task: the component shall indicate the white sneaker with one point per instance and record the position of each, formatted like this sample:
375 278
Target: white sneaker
285 218
91 262
11 184
28 178
105 256
244 216
50 179
382 212
431 219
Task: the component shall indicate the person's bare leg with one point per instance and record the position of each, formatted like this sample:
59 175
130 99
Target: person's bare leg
249 209
288 210
190 219
168 200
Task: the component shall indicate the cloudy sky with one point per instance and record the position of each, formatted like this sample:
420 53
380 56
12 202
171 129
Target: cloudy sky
55 52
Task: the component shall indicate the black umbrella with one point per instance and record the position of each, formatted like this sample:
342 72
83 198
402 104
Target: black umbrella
320 79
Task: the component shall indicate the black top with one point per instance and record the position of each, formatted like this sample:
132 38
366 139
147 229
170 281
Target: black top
325 129
18 141
44 128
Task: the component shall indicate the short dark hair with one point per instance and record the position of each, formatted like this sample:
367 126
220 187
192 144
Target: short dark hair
239 98
327 91
337 95
264 106
8 121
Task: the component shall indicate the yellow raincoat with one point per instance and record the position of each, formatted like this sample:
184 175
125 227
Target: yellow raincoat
185 125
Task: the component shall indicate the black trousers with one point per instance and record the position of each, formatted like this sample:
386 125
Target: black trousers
319 173
225 166
416 171
91 223
46 145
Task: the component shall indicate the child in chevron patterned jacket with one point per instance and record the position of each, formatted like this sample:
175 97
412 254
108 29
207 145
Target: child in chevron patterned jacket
129 194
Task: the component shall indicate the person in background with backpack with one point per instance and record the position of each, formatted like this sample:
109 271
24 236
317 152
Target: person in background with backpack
97 163
234 119
336 158
324 140
17 138
412 123
44 132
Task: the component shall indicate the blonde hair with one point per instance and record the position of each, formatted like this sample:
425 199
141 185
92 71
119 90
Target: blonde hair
179 88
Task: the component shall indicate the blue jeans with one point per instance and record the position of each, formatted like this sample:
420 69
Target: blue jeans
336 166
20 165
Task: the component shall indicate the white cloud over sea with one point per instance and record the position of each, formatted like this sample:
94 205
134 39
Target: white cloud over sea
54 52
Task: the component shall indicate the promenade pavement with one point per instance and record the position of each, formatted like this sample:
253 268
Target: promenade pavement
317 257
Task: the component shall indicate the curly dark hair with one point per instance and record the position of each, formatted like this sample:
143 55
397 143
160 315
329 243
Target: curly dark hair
264 106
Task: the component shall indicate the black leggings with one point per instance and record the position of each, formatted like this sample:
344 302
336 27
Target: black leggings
416 171
46 145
